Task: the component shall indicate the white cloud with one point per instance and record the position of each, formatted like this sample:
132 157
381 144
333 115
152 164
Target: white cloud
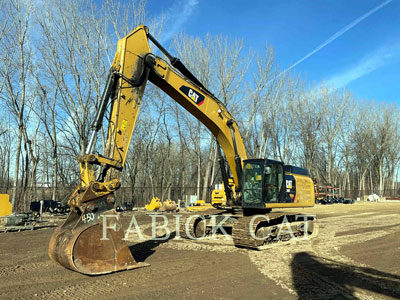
176 16
369 63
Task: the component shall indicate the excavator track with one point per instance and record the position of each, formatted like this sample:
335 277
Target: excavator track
187 224
241 233
268 231
183 232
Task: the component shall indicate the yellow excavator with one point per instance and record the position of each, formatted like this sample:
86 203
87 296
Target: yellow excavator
90 241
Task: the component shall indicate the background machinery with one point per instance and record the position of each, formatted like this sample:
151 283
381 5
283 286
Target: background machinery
162 206
5 205
259 185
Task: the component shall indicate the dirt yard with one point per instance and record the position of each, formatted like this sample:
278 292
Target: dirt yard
355 255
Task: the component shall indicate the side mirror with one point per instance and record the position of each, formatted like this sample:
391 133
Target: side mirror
267 170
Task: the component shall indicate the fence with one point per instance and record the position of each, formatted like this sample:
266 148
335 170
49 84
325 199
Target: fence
140 196
362 194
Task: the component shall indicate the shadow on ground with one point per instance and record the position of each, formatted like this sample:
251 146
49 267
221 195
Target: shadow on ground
316 277
141 251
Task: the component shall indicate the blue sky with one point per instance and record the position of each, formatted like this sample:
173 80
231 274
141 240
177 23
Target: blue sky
365 58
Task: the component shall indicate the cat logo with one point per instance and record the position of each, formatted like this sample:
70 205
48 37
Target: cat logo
195 96
289 184
192 95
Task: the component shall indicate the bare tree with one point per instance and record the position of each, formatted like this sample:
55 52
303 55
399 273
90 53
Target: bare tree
15 69
218 64
73 56
345 134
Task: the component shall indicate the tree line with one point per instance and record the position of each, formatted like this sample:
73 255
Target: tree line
54 59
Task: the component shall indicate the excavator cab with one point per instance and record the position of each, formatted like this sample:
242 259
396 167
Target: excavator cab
262 182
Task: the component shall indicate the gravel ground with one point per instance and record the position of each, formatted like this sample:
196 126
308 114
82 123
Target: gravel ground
355 255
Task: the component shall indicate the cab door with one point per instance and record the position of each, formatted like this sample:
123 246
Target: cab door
253 182
273 182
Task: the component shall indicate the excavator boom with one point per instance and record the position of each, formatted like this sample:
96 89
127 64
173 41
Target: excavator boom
91 240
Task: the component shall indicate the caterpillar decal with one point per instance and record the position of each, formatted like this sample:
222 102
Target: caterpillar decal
195 96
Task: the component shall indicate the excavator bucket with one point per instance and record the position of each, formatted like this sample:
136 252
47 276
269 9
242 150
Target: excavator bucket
168 205
92 243
154 204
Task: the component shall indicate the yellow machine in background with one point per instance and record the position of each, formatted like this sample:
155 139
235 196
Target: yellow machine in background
5 205
200 205
218 196
155 204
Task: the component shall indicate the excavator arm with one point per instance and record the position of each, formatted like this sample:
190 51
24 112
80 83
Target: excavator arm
91 241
